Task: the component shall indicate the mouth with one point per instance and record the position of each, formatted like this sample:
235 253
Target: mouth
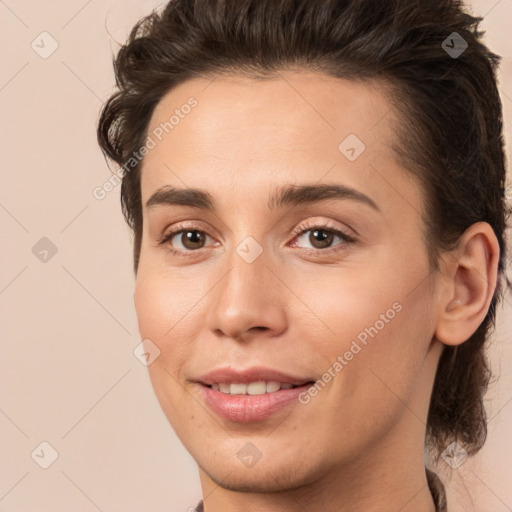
244 403
251 394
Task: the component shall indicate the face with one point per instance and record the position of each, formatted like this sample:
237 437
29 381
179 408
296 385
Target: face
262 274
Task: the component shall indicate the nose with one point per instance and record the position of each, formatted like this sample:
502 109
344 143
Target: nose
249 301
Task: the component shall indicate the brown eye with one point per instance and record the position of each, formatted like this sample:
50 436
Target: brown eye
320 238
191 238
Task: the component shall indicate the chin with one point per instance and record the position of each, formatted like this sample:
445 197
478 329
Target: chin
261 478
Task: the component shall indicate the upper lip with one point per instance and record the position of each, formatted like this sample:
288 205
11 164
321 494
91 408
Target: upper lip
254 374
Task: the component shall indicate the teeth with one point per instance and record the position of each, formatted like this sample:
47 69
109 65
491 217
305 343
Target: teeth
238 389
225 388
253 388
273 386
257 388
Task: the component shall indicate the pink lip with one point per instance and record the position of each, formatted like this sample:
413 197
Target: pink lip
254 374
250 408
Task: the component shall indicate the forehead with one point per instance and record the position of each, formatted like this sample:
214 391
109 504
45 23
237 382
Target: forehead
244 134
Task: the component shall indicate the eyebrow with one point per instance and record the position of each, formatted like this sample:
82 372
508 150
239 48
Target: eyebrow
289 195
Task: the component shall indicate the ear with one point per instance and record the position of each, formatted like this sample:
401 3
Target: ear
471 277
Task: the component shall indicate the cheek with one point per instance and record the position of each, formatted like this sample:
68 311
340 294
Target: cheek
348 304
382 334
165 316
376 320
164 302
383 352
150 303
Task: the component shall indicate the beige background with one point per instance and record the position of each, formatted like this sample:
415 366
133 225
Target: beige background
68 373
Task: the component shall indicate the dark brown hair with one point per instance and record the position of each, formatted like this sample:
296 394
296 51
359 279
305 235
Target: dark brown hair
450 129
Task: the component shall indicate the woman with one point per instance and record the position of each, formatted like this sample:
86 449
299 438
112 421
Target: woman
317 196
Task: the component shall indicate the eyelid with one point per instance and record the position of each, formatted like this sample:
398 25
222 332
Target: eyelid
348 240
186 225
322 224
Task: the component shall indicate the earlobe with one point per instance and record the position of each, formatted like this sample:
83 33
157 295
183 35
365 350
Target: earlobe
472 277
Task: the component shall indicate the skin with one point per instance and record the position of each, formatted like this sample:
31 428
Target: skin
358 444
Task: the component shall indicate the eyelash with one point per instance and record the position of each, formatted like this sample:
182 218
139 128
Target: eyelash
299 230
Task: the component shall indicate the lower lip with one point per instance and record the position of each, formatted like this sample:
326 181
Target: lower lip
249 408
